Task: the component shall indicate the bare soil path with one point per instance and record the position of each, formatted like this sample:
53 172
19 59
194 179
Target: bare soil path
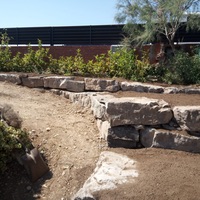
68 137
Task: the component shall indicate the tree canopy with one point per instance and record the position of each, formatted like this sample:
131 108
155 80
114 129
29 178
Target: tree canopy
147 20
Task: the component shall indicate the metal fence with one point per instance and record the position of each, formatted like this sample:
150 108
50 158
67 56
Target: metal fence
66 35
80 35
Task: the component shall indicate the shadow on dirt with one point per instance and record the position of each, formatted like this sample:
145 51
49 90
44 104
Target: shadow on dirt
16 185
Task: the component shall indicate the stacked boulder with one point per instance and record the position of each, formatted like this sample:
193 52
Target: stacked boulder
90 84
127 122
143 122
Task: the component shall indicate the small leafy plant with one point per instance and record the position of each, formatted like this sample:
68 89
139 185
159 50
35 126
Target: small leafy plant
9 140
36 61
183 69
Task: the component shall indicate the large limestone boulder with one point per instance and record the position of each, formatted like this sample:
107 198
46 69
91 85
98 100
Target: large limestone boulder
171 90
123 136
176 141
94 84
103 127
188 117
98 105
72 85
146 137
138 111
33 82
151 137
54 82
12 78
11 117
140 87
81 98
190 90
111 170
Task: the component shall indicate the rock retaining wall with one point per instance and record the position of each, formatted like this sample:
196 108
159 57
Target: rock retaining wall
127 122
90 84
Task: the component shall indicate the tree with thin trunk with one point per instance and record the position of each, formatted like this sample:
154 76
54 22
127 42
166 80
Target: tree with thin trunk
148 20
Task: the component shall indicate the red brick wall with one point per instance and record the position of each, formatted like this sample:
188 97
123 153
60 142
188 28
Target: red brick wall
88 52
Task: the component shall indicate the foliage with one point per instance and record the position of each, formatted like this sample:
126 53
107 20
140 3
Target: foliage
194 22
157 71
54 66
123 64
100 66
36 61
183 69
9 140
180 69
5 59
156 18
5 53
78 66
17 63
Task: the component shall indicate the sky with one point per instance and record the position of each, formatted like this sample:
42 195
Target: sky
34 13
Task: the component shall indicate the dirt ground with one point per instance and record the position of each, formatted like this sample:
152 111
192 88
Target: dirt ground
67 136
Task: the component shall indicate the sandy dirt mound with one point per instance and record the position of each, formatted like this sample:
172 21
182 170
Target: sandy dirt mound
67 135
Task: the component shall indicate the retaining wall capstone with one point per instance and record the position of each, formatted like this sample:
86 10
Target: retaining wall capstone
138 110
90 84
126 122
33 82
55 82
188 117
101 85
140 87
168 140
12 78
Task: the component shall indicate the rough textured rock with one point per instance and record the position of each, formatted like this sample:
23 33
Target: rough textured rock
174 141
33 82
84 196
103 127
123 136
54 82
93 84
151 137
98 105
188 117
56 92
11 117
146 137
190 90
140 87
111 170
137 111
72 85
171 90
84 99
12 78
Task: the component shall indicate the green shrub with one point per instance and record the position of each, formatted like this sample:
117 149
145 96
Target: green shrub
99 67
125 64
9 143
5 59
17 63
79 65
36 61
156 71
183 69
122 64
65 65
53 66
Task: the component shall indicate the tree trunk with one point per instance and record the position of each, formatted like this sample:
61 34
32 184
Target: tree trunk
171 43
